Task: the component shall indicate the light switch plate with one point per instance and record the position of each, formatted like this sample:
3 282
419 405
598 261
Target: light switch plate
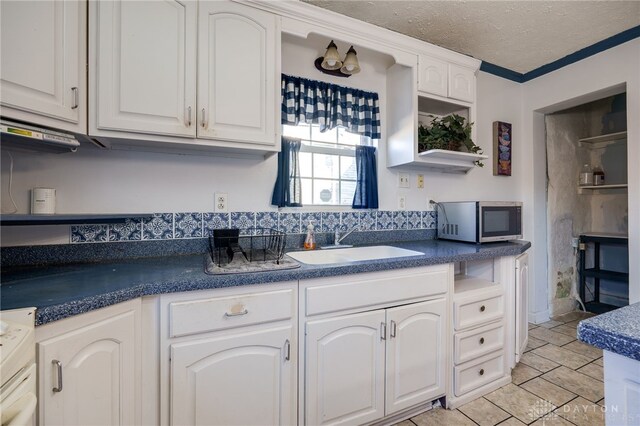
403 180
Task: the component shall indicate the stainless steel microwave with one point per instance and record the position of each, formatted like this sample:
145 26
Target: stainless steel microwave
480 221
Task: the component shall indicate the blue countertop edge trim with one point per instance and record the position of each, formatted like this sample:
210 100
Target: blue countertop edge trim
47 314
593 332
594 49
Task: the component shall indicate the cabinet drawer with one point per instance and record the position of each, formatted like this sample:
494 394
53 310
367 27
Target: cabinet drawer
473 311
470 345
342 294
472 375
204 315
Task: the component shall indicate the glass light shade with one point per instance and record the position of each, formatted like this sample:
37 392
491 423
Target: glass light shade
350 64
331 59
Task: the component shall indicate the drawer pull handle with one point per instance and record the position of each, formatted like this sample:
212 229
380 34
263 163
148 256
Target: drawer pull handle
481 372
482 308
76 100
58 364
383 331
393 331
482 340
236 314
287 346
189 117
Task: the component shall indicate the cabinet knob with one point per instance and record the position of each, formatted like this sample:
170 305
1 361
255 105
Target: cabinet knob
482 340
482 308
481 372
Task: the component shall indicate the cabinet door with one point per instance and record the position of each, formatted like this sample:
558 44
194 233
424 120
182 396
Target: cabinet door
462 83
43 57
243 379
416 352
145 66
237 47
432 77
521 304
345 369
98 374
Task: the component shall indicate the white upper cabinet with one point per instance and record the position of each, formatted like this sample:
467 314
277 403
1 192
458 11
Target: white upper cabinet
42 69
462 83
143 68
432 76
237 73
437 77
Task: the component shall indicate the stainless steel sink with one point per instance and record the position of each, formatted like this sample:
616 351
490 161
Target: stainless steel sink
349 255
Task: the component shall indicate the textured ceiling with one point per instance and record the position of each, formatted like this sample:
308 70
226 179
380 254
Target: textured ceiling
518 35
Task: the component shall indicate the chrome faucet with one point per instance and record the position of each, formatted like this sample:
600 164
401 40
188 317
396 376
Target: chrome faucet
337 238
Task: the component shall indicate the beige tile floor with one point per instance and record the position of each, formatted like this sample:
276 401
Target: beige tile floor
558 381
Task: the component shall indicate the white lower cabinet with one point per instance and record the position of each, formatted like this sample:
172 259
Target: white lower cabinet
363 366
87 368
482 329
416 352
242 379
350 358
345 369
229 356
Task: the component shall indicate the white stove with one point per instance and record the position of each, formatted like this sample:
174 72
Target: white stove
18 399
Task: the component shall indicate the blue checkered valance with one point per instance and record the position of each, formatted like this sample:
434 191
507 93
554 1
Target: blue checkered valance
330 105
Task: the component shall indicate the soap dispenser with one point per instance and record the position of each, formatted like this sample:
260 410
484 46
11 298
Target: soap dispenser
310 239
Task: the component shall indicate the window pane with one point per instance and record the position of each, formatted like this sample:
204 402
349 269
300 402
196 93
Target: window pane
347 138
327 136
348 188
305 164
301 131
348 168
307 191
326 166
325 192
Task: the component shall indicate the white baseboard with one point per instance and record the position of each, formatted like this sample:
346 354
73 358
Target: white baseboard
539 317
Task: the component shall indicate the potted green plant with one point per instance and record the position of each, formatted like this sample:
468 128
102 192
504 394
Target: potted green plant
451 132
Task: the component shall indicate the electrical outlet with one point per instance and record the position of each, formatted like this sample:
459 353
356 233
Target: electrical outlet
402 202
403 180
220 204
420 181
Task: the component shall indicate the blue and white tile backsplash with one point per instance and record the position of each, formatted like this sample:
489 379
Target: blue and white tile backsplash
168 226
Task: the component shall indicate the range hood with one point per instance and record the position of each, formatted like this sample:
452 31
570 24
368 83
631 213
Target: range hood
27 137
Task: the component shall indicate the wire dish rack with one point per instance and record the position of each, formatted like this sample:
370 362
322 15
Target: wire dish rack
234 251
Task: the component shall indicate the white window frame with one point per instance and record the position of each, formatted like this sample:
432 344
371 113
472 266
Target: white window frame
340 150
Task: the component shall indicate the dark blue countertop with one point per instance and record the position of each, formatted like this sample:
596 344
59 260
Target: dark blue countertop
63 291
616 331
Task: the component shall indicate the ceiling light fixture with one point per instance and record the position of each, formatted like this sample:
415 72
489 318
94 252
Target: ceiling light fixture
331 64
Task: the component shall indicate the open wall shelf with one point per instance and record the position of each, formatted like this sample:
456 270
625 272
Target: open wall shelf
591 189
66 219
603 140
449 161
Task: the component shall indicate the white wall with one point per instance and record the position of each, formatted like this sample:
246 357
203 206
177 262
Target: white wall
99 181
593 78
